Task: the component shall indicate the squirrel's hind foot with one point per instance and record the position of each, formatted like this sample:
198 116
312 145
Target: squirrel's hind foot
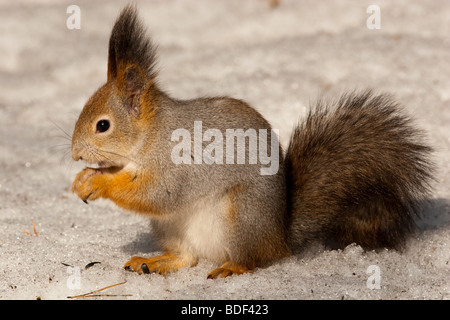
227 269
161 264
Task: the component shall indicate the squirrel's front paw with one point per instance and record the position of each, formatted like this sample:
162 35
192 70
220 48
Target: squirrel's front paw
83 184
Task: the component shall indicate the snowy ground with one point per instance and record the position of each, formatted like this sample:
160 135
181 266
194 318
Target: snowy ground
278 59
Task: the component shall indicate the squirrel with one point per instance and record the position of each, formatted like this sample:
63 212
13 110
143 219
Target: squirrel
355 170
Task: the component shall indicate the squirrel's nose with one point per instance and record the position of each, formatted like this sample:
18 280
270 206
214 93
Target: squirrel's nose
76 157
76 154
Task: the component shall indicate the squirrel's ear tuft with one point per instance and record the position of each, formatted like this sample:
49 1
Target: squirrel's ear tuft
132 57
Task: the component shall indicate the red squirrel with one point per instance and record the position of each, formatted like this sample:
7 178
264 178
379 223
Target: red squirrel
354 171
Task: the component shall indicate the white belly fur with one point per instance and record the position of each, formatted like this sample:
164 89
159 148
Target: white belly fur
198 230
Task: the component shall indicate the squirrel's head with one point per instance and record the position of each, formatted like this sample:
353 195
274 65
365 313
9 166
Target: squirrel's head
111 123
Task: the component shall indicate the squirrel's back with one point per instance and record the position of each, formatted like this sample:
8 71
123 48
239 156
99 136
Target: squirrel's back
355 173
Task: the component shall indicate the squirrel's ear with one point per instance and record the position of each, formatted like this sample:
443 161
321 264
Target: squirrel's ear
112 66
131 83
131 56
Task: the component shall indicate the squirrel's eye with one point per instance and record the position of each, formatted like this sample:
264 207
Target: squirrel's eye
102 125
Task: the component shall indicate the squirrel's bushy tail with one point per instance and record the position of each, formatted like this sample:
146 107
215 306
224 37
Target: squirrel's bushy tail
356 171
